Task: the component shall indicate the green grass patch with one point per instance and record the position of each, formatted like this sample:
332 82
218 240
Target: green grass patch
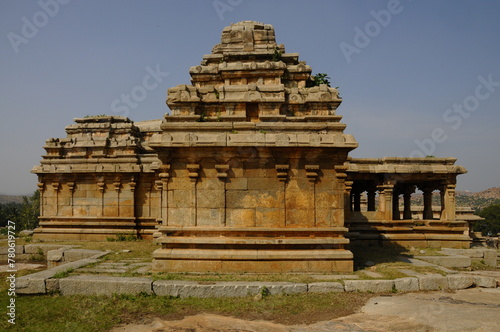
101 313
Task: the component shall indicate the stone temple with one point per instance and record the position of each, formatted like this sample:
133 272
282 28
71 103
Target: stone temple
250 172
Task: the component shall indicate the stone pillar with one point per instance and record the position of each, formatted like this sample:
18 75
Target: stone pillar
427 214
381 198
356 201
407 202
371 199
396 214
386 200
448 202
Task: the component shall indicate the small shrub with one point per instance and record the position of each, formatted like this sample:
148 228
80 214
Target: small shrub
276 55
265 292
95 116
62 274
123 238
39 256
321 78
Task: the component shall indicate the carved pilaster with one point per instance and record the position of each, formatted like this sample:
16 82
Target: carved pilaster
222 175
193 171
41 189
222 171
339 216
193 175
448 202
55 187
164 176
101 186
282 172
71 188
117 184
347 201
312 172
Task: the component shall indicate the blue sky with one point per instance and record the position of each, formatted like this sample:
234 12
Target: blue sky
417 77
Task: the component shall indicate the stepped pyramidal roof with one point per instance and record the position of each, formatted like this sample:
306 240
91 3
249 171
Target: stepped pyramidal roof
249 77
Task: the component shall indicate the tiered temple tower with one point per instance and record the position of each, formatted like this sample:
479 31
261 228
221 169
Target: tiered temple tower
258 154
249 173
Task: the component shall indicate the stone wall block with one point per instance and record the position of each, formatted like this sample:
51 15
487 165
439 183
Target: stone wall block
55 255
51 285
185 289
285 288
72 255
490 257
30 285
104 285
210 199
455 261
372 286
36 248
18 250
325 287
433 282
406 284
237 184
460 281
485 282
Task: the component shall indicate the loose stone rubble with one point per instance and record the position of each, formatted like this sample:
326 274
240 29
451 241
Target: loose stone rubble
248 173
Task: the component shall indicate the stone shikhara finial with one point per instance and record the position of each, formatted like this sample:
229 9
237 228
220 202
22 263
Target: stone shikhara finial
249 77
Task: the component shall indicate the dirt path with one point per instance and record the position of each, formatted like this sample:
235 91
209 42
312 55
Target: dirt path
467 310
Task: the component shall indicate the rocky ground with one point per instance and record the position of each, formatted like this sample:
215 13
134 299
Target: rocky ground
474 309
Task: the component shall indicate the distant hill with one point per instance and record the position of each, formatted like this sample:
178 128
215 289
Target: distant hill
475 200
479 199
4 199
